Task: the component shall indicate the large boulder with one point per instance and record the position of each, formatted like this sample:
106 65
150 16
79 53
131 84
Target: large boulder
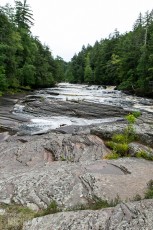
76 148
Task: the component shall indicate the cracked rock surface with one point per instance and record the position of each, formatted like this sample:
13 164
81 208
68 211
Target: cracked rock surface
37 170
136 216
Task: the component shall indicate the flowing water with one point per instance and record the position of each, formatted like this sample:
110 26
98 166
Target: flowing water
97 94
76 93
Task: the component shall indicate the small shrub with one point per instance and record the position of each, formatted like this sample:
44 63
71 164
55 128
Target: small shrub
51 209
119 148
97 203
149 192
129 134
137 197
110 144
62 158
144 155
119 138
112 155
136 114
130 118
119 142
129 131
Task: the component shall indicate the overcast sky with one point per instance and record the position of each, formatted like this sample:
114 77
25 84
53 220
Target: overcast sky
66 25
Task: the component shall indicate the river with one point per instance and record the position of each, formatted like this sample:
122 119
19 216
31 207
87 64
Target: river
67 105
39 121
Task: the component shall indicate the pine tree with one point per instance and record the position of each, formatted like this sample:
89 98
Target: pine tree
23 15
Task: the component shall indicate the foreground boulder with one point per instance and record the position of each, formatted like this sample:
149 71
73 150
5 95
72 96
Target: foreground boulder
134 216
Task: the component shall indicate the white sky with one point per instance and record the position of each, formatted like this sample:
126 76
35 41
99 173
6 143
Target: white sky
66 25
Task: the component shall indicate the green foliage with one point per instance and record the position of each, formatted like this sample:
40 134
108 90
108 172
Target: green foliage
14 217
61 69
62 158
137 197
149 192
112 155
125 60
88 75
129 131
96 203
130 118
122 149
24 61
119 149
144 155
119 138
3 81
14 82
119 142
28 74
23 15
136 114
51 209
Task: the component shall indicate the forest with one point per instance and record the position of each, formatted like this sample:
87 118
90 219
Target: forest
124 60
25 63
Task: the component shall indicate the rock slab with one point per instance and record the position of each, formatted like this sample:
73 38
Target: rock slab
125 216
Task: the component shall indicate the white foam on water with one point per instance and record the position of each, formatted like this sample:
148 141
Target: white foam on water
18 108
58 121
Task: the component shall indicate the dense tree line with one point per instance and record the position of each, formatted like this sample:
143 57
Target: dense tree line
125 60
24 60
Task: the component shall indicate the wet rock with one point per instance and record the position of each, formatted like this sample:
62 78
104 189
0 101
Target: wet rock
136 216
66 108
9 121
31 98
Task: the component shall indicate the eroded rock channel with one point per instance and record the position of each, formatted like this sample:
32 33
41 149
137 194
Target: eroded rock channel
52 148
